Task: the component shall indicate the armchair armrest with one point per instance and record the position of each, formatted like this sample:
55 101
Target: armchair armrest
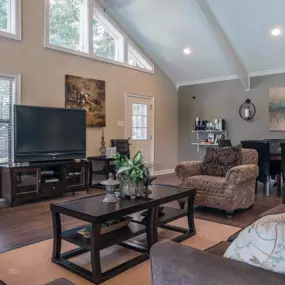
172 263
188 168
242 173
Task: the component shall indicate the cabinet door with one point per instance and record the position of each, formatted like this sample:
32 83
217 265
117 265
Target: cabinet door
75 176
26 182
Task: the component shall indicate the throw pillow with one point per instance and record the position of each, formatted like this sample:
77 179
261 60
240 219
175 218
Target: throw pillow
218 161
261 244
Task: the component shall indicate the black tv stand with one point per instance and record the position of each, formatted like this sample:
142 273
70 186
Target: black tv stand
30 181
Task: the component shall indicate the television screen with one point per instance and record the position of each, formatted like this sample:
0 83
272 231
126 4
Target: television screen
48 131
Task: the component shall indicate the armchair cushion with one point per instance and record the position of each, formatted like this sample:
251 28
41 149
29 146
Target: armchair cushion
242 173
204 184
218 161
188 168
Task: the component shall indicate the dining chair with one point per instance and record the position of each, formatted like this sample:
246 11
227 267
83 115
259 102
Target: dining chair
122 145
224 143
263 150
283 169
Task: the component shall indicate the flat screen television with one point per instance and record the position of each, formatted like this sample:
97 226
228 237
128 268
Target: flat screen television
47 134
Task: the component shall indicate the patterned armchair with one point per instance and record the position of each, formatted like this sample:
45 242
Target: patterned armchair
234 191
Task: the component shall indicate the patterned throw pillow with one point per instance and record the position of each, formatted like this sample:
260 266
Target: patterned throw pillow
218 161
261 244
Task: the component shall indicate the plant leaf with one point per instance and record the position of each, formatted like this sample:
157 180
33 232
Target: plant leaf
124 169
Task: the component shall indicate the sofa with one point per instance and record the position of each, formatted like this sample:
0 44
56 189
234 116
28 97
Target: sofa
234 191
172 263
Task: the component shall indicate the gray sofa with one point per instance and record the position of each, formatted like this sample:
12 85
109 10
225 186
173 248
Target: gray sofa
175 264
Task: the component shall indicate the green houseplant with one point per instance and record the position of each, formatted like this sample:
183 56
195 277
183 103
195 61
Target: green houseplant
134 174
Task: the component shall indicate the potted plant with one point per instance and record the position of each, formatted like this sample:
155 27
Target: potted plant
134 175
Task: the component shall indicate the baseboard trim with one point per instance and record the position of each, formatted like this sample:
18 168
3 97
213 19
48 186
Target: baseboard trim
164 171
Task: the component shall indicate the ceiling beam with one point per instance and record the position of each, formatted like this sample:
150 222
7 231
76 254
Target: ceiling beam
225 44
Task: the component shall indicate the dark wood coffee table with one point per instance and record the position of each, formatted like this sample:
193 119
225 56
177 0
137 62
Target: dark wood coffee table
93 210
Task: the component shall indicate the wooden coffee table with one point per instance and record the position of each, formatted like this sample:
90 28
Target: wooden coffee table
93 210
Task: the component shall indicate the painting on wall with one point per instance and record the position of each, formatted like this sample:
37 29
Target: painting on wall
277 109
88 94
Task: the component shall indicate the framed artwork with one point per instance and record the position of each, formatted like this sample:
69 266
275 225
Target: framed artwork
277 109
88 94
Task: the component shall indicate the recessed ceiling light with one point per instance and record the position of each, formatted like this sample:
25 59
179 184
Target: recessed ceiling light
276 32
187 51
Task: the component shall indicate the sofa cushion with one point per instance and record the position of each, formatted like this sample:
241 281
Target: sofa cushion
207 184
261 244
280 209
218 161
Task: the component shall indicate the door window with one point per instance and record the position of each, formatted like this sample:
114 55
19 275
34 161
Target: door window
139 121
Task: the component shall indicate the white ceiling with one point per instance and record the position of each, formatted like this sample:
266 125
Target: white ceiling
165 27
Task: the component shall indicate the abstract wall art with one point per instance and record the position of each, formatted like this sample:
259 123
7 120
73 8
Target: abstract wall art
277 109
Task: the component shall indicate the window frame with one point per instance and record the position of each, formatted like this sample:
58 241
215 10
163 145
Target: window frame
90 54
14 21
16 79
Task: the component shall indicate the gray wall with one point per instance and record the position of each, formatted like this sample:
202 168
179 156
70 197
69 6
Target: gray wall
223 99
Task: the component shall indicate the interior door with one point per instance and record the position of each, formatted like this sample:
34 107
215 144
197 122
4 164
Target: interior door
139 125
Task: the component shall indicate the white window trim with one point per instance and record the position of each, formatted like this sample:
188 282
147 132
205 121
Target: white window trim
89 54
15 22
16 99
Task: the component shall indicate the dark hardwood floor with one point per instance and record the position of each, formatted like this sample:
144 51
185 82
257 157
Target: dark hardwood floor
30 223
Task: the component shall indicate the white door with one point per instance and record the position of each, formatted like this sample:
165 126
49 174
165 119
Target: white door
139 126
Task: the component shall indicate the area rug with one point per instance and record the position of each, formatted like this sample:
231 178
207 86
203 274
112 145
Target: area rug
31 264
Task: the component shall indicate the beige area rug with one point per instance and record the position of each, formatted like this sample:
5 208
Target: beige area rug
31 265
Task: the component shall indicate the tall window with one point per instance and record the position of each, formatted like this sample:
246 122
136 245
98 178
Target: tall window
81 27
10 18
7 90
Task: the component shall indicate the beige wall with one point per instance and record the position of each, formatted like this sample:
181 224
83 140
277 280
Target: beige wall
43 72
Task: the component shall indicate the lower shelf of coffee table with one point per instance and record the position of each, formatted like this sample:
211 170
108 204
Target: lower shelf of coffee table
106 240
169 214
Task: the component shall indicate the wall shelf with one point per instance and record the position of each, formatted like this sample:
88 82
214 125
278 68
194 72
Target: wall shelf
208 131
198 132
206 144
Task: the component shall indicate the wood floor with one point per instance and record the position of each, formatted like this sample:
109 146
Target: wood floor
31 223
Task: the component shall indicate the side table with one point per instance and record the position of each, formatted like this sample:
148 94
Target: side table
100 167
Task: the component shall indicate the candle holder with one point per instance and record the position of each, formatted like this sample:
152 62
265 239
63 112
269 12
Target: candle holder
111 187
247 110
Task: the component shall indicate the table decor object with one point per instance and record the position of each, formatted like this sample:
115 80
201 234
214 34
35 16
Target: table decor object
103 145
134 175
110 152
107 227
111 186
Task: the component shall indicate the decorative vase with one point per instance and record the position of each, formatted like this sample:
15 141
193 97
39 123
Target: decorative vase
128 189
103 145
132 190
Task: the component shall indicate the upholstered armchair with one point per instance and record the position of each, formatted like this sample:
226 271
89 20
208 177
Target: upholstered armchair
235 190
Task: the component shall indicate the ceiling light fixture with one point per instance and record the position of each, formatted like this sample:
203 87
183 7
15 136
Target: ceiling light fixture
187 51
276 32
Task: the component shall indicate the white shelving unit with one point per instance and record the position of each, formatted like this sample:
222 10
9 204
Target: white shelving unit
198 144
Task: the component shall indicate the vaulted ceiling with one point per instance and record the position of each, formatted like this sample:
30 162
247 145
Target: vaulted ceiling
233 40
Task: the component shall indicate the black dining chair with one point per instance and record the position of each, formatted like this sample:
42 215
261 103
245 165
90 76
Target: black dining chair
263 150
283 170
224 143
122 145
